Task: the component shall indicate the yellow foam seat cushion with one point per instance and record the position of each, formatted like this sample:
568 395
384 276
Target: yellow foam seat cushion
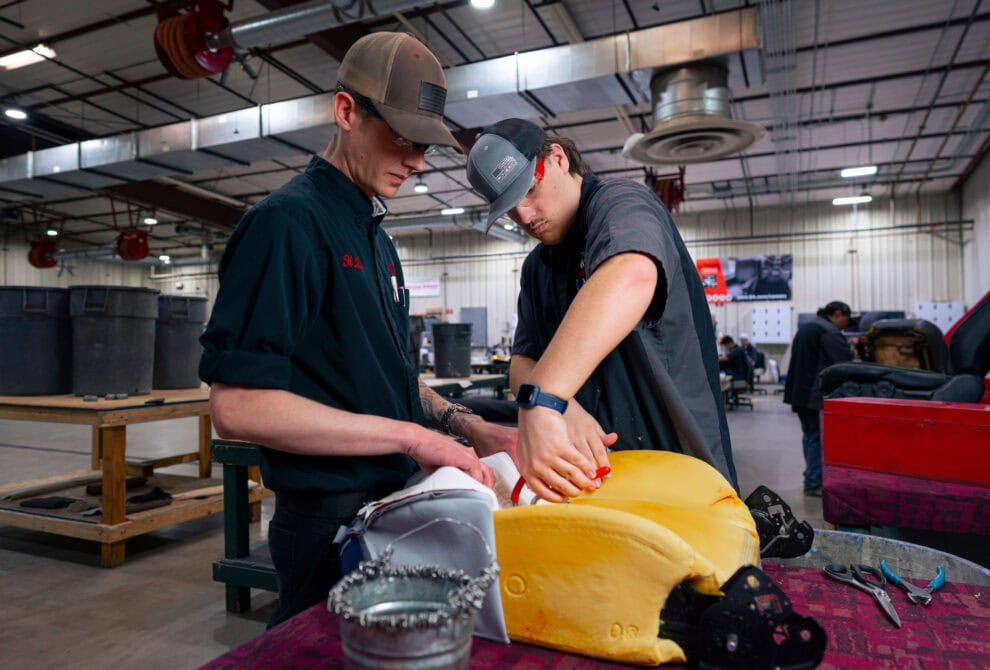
591 577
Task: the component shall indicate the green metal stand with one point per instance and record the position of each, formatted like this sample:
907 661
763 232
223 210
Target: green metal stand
243 567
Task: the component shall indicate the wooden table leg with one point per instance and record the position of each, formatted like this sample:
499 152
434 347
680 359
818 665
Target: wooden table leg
113 442
97 449
205 438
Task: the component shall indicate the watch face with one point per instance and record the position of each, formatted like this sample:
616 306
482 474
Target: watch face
527 392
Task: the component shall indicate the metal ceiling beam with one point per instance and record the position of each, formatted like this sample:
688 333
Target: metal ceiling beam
89 28
171 198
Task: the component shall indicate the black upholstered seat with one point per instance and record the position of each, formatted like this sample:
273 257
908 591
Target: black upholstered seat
968 363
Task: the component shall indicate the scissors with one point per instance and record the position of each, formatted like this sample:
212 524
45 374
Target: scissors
859 576
916 595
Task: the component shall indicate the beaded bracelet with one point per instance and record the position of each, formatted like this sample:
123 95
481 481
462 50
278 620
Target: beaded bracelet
448 414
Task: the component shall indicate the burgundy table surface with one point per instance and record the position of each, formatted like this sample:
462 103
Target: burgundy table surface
858 497
952 632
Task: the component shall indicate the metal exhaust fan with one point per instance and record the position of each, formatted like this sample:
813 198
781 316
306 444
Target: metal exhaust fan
691 119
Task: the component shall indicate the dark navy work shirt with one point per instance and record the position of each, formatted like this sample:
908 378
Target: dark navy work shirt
312 301
659 389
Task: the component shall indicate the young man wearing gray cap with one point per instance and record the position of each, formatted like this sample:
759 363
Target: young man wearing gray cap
306 348
614 331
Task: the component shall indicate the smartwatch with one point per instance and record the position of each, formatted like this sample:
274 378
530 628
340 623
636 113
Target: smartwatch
530 395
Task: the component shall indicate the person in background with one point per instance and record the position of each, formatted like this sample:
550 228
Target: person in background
817 344
306 350
734 362
748 347
614 345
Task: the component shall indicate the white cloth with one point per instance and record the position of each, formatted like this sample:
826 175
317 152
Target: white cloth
451 479
444 479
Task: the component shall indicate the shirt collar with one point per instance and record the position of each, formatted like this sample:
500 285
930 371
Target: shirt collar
328 177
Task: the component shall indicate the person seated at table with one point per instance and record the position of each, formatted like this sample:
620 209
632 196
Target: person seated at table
734 361
749 348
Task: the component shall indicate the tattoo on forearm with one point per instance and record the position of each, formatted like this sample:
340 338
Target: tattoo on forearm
433 405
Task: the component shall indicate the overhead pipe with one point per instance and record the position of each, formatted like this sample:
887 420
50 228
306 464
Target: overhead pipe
201 43
108 254
294 22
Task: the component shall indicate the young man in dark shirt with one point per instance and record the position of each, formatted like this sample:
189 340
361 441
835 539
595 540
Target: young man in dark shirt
306 348
614 344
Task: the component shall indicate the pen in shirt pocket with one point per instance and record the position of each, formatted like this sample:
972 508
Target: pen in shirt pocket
395 282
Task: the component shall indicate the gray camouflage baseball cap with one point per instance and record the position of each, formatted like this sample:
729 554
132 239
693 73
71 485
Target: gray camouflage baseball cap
501 164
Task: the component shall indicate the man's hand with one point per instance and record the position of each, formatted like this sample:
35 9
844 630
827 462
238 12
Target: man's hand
431 451
587 434
554 468
489 438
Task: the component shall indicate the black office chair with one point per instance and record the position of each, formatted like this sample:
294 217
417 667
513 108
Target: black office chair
758 370
740 383
968 364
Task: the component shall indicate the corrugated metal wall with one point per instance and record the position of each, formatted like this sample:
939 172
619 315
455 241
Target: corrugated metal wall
976 206
881 256
473 270
874 257
15 270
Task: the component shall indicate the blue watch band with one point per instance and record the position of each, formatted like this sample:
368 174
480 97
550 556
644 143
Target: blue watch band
530 395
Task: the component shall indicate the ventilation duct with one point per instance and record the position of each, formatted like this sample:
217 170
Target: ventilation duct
691 118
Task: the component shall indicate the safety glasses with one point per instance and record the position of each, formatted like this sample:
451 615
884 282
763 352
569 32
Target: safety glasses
405 145
538 173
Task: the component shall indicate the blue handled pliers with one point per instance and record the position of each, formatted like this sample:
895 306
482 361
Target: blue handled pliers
917 595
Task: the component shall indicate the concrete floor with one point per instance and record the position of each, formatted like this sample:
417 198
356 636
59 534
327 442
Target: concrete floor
161 609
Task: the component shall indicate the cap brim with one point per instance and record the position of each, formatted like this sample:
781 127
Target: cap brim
418 128
512 195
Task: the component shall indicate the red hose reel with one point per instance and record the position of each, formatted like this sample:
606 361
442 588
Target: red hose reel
180 40
40 254
132 245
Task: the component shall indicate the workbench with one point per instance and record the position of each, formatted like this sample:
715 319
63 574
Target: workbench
951 632
109 420
454 387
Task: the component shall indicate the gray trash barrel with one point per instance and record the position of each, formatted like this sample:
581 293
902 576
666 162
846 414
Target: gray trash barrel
177 349
35 341
452 349
113 339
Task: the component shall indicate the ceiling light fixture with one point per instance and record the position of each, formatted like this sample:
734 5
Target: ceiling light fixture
482 4
451 211
51 232
853 200
165 258
16 114
150 220
421 187
863 171
26 57
509 226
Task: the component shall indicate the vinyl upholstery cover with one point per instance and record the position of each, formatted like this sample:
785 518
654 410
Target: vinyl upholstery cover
592 576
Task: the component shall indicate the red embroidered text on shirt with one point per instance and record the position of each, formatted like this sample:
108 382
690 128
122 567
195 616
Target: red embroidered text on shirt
352 262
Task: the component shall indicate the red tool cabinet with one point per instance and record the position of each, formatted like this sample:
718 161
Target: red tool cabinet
938 440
